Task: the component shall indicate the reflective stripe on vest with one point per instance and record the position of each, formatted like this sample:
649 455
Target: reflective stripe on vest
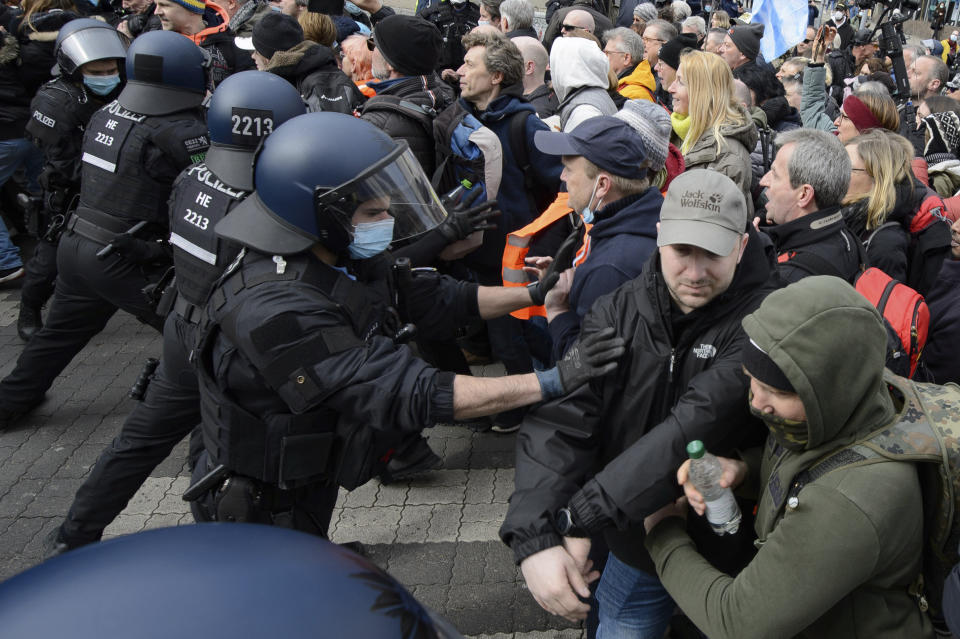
518 244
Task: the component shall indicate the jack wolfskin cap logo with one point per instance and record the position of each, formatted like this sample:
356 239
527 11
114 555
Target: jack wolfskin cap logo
699 200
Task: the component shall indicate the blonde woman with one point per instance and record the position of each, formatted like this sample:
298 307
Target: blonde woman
712 130
882 198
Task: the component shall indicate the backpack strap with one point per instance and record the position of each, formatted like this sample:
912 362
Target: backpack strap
866 243
521 155
422 115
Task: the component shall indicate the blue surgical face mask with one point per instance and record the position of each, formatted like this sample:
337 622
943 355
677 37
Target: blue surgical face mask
481 23
102 84
352 8
587 213
371 238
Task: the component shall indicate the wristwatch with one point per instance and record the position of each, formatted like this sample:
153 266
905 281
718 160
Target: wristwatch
566 526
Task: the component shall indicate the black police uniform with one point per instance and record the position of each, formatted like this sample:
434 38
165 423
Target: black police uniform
59 115
304 388
171 406
130 161
453 23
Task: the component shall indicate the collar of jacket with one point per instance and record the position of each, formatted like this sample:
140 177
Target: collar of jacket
807 229
212 12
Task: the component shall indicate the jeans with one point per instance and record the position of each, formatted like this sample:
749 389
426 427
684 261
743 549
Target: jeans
633 603
13 154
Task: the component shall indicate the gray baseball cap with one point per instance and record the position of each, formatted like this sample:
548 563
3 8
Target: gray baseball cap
703 208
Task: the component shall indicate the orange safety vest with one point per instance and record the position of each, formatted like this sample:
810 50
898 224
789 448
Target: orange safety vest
518 244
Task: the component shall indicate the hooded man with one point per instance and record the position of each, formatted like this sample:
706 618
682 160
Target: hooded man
579 72
839 557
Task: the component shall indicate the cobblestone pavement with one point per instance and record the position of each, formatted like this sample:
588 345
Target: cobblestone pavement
437 535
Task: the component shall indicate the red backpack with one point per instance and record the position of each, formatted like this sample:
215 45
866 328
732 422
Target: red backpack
906 318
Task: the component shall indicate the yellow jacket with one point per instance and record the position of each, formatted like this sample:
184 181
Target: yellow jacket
640 84
946 48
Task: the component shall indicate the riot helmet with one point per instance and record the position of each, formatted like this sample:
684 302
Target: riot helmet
166 73
86 40
244 109
244 581
324 177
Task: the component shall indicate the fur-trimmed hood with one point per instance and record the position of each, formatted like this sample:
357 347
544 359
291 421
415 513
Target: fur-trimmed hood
9 49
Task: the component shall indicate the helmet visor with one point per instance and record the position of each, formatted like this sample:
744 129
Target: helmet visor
90 45
395 186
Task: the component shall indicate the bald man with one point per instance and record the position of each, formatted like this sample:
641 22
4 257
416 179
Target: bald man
535 61
578 19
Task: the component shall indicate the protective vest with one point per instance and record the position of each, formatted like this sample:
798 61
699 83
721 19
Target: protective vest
115 179
518 245
59 114
200 200
306 443
453 25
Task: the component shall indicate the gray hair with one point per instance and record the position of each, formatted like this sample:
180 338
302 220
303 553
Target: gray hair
681 10
519 13
626 41
646 11
665 30
872 86
917 50
939 70
696 23
820 160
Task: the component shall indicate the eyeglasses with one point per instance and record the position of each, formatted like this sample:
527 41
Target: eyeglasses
612 52
569 27
844 116
660 40
856 169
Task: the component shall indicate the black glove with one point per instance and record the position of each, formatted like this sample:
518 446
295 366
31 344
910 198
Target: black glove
463 219
593 356
139 251
561 262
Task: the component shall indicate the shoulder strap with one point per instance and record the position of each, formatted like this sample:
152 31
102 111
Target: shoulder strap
866 243
521 155
424 116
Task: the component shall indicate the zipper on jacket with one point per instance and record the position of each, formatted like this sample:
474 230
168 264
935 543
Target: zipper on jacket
673 359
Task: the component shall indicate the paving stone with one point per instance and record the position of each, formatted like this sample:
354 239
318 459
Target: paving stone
364 496
147 500
414 524
433 597
53 500
368 525
445 522
435 495
498 565
480 483
479 531
172 502
493 451
474 608
125 524
503 485
80 461
468 563
494 513
162 521
423 564
20 495
392 495
21 532
49 463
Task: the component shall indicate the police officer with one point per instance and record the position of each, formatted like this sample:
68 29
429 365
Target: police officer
133 150
304 384
88 54
454 19
244 109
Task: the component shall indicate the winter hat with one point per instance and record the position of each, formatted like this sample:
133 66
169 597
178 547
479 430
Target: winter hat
274 32
860 114
646 11
194 6
762 367
409 44
944 133
670 51
747 39
652 122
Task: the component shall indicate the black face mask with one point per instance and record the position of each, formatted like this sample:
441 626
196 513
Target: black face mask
789 433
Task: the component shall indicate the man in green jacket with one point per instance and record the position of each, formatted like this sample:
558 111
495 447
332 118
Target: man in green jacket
837 561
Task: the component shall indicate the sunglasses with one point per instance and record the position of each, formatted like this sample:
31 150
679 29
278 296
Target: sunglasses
807 40
568 27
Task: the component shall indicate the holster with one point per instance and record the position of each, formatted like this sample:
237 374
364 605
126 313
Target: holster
240 500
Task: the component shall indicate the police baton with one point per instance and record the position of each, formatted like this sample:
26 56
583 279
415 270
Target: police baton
110 248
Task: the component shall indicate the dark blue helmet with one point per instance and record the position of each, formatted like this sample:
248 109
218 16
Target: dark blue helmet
166 73
243 110
243 581
86 40
316 174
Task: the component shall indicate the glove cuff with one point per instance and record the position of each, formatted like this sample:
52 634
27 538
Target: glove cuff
550 384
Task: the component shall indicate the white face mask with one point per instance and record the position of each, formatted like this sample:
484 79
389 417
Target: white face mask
481 23
837 17
953 38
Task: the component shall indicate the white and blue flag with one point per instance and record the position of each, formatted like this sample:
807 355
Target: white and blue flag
784 25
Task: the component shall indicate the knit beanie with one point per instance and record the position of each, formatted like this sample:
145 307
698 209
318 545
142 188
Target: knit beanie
646 11
194 6
944 131
747 38
276 32
670 51
409 44
761 366
652 122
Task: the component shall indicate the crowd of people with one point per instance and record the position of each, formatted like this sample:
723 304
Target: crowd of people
329 210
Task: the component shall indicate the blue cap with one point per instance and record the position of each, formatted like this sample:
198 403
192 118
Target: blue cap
609 142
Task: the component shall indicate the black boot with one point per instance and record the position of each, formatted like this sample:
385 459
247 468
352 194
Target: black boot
29 321
414 458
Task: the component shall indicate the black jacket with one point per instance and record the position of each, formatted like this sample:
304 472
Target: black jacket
816 244
940 354
889 245
611 449
426 91
26 57
544 100
310 68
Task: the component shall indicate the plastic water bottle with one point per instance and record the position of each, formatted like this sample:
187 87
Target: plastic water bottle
723 513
